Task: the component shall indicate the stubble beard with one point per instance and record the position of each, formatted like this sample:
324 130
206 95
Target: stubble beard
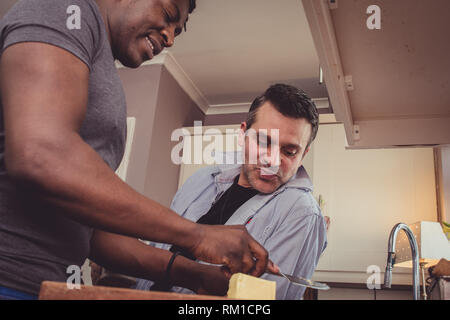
253 179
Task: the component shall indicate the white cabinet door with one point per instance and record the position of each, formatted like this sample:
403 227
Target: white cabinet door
202 146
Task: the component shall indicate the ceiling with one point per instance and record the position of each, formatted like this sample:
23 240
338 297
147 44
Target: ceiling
5 5
235 49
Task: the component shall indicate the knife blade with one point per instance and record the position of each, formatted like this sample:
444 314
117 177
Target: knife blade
304 282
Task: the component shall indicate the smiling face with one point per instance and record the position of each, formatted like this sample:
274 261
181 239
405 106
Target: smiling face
276 162
141 29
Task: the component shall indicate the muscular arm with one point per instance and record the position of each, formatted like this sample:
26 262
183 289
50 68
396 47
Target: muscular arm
44 91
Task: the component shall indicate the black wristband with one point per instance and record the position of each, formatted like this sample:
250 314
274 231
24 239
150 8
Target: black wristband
166 283
169 266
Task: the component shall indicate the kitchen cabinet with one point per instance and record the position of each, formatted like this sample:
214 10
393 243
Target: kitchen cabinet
389 86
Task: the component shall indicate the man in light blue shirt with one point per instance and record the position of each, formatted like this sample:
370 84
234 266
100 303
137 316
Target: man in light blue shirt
270 193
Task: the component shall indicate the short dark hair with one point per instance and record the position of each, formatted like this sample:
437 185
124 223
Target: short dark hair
192 5
290 102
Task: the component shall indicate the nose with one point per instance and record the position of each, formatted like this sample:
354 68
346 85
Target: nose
168 35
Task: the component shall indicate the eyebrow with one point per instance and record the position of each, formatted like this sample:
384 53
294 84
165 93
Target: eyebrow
178 15
293 145
269 140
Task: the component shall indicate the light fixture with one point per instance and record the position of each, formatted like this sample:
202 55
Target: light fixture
320 75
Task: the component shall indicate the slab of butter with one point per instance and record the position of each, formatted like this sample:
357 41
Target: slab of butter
245 287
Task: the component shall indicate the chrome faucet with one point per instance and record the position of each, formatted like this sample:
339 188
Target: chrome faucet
391 257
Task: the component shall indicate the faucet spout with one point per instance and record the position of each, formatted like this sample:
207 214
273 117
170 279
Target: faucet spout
391 257
389 265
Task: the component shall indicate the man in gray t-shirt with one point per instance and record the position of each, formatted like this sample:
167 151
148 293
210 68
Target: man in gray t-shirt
62 135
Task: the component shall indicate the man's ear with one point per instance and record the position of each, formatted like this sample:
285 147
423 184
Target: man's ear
241 138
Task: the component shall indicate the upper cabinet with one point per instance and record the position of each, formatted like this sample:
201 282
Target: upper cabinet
386 67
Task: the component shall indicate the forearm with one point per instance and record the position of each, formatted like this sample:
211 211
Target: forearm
70 175
131 257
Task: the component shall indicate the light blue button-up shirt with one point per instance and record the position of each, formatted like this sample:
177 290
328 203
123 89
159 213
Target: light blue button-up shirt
287 222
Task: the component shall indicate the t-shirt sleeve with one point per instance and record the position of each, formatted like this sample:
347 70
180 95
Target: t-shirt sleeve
73 25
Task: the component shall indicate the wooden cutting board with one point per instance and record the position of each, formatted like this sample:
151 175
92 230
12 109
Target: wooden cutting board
60 291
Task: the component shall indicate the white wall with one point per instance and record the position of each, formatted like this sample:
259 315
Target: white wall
160 106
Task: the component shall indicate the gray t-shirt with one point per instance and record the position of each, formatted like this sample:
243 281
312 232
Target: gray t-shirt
37 241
